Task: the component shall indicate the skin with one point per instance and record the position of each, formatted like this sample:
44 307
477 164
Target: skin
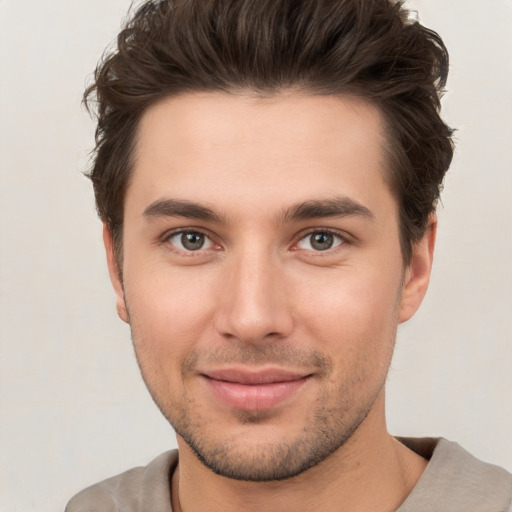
261 294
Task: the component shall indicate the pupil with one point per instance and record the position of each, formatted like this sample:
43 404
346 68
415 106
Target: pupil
192 241
322 241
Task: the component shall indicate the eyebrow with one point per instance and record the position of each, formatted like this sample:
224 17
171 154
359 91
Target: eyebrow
339 206
180 208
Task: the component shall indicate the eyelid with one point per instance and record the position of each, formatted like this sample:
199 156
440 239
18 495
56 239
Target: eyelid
188 229
342 235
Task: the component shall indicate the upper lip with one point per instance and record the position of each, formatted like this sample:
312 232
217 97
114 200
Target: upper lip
254 376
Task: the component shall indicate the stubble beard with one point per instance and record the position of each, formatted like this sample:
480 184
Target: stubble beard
330 426
270 462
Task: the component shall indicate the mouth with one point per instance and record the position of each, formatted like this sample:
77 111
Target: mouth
254 390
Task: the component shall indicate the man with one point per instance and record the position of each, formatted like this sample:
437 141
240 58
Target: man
267 174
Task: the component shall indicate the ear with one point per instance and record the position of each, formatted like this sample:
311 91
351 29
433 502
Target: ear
115 274
417 273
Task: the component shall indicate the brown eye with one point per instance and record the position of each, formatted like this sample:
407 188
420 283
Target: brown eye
320 241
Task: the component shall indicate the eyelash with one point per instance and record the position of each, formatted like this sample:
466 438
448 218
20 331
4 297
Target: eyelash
192 231
341 236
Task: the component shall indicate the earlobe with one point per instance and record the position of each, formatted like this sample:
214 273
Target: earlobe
417 274
115 274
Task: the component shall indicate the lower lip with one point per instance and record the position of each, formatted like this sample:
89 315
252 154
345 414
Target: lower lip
256 397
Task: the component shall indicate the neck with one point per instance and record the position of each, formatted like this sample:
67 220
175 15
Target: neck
370 472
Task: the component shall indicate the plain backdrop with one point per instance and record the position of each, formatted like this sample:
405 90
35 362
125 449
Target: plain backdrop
73 407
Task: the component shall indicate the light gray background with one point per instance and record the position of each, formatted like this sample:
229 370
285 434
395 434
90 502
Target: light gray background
73 408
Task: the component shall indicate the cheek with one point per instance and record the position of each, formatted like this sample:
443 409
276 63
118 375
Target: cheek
352 313
169 311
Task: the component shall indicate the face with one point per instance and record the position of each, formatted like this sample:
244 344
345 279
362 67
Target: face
262 275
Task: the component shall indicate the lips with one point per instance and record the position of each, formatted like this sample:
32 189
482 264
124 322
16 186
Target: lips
254 390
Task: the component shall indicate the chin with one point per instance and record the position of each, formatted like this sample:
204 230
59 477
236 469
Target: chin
269 454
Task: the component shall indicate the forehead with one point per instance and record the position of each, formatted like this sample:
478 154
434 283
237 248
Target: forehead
289 147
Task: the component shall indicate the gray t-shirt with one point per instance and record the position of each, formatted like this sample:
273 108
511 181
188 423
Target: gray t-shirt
454 481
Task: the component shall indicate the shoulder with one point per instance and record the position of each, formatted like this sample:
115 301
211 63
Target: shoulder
148 485
456 480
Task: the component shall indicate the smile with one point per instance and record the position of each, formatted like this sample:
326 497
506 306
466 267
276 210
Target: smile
254 391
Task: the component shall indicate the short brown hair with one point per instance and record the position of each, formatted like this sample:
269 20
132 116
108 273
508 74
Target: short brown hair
368 48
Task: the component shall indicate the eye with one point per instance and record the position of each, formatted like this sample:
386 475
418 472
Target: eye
320 241
190 241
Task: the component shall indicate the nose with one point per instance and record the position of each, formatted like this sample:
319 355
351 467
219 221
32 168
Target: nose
253 305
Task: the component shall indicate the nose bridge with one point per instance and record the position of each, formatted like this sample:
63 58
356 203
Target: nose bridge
254 305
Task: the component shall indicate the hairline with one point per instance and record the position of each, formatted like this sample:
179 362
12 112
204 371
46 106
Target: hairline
389 147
